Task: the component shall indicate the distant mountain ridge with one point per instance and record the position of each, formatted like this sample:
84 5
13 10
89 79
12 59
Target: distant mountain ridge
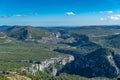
26 32
114 40
4 27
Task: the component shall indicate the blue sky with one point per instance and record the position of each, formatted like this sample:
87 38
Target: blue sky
59 12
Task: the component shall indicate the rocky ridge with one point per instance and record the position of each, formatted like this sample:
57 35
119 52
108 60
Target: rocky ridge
60 61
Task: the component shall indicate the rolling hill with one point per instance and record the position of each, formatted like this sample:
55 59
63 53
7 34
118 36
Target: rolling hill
26 32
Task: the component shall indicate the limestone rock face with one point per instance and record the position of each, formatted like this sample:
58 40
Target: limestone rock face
60 62
57 60
54 71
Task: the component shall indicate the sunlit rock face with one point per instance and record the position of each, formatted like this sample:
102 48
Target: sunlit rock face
57 60
51 64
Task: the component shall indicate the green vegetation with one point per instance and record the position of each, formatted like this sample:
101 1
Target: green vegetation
114 41
99 32
3 77
2 34
26 32
20 45
63 76
14 55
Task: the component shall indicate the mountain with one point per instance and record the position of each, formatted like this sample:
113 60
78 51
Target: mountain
91 58
4 27
81 43
114 40
26 32
99 63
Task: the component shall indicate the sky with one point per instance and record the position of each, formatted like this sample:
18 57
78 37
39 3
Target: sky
59 12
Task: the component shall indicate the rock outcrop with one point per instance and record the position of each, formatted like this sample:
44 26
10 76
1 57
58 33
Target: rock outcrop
59 60
50 63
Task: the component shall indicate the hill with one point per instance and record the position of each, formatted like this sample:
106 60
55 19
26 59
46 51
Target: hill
114 41
4 27
99 63
26 32
19 48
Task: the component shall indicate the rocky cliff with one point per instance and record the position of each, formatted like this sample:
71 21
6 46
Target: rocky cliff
100 63
54 64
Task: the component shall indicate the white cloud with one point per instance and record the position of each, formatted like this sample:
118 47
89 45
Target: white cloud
114 17
108 12
70 13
